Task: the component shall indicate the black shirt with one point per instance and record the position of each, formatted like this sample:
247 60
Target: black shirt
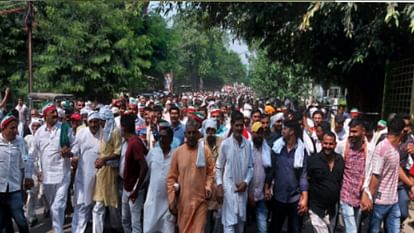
324 185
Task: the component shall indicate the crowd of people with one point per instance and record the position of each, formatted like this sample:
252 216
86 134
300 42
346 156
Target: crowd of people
203 162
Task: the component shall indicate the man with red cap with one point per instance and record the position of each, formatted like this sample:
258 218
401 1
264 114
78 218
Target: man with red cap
52 144
13 150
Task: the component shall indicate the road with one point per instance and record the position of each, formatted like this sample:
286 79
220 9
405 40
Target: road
45 225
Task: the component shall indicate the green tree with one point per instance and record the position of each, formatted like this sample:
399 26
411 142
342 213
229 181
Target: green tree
274 79
344 43
203 54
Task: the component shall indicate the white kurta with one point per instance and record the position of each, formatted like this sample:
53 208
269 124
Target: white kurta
157 217
234 204
86 146
46 147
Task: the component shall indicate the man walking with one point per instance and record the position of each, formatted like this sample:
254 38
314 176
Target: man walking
135 169
52 144
85 149
234 170
325 171
12 171
190 181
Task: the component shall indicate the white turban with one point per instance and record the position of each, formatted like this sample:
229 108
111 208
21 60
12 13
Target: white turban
277 117
93 115
210 123
35 120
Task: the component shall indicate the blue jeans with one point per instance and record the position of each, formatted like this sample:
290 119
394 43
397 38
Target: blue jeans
13 203
390 214
261 216
403 201
351 216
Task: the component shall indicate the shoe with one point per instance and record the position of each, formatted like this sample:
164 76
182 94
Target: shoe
33 222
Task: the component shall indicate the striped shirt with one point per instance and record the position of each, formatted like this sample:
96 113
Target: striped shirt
386 163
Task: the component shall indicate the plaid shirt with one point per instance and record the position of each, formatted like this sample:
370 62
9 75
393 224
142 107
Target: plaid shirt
353 176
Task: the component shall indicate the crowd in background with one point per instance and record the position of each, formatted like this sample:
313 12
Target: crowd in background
203 162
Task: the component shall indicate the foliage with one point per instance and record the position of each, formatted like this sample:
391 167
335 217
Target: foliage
273 79
202 54
343 43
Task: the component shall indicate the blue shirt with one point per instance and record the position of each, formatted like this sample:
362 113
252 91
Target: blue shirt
289 182
179 132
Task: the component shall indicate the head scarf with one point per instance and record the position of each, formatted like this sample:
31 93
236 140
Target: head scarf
198 116
256 127
6 120
35 120
106 115
277 117
93 115
48 107
210 123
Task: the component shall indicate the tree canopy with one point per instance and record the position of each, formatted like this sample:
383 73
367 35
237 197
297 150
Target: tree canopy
343 43
97 49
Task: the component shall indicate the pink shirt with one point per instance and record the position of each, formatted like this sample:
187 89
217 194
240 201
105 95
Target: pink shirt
385 164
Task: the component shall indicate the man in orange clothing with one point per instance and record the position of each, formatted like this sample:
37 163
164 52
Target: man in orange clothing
190 180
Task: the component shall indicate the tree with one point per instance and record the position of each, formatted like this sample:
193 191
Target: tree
343 43
274 79
202 54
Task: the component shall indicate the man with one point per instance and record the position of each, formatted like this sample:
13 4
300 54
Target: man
176 125
289 177
189 181
381 196
276 123
12 171
157 217
339 129
106 193
357 156
85 149
32 194
256 116
135 169
79 105
213 142
234 170
325 171
261 160
269 136
23 111
52 143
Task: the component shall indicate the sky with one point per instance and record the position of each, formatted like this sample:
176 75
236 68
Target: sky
238 46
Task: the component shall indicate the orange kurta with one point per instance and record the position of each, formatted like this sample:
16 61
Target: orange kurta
194 182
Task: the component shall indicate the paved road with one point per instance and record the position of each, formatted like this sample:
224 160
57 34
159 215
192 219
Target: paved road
44 225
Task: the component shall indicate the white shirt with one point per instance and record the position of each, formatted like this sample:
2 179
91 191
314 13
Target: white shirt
157 217
122 159
46 146
12 155
86 146
234 204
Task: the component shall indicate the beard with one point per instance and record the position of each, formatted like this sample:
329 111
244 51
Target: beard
355 142
211 140
258 142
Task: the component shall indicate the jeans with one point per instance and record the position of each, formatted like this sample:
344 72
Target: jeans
13 203
390 214
279 213
351 216
261 216
131 212
403 201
